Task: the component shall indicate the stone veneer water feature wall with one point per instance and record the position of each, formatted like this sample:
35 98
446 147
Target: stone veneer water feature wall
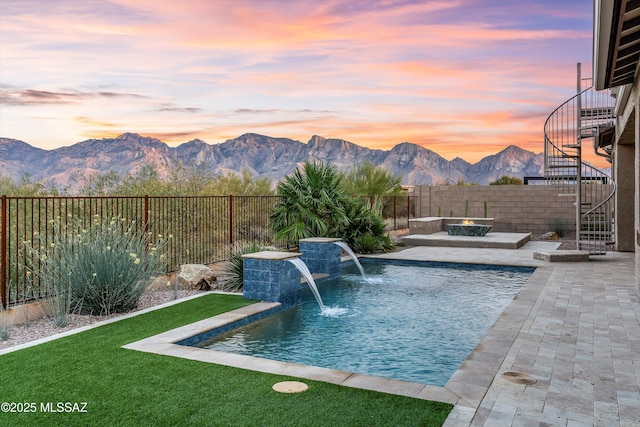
321 255
269 276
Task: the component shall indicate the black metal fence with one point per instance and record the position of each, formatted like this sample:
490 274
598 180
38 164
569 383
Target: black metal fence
203 228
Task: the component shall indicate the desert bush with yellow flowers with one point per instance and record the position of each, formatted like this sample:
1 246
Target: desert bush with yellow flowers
99 269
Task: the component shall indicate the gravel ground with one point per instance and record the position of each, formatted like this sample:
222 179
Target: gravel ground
567 242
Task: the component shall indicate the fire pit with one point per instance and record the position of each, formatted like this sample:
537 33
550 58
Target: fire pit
467 228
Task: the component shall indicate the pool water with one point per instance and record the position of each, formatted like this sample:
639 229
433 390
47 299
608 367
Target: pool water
408 322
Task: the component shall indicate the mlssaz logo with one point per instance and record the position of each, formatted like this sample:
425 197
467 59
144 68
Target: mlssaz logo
63 406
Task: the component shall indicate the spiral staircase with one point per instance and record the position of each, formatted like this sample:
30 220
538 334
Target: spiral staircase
585 120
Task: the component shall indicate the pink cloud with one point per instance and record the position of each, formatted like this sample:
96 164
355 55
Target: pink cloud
373 75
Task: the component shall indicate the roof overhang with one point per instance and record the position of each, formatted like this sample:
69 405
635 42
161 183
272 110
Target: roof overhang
616 42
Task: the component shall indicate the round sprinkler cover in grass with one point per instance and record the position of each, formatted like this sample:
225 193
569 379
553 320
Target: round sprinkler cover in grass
290 387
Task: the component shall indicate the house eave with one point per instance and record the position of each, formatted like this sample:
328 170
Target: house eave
616 42
602 17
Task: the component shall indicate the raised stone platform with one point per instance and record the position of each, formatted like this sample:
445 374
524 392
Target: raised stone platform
490 240
435 224
562 256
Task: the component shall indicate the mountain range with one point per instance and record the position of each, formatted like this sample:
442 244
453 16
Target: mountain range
261 155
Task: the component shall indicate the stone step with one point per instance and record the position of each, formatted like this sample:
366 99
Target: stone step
497 240
562 256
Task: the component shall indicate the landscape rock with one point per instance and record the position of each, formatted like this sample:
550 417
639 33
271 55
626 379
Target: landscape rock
196 276
551 235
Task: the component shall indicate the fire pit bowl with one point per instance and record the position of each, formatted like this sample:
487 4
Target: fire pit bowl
476 230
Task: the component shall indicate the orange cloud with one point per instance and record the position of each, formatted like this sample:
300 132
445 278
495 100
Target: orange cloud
374 73
100 124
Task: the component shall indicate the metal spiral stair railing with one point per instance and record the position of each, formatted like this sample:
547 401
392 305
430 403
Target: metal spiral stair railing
578 119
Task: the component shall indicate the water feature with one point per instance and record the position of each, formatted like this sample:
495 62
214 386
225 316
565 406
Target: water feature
353 256
302 267
409 322
267 277
324 310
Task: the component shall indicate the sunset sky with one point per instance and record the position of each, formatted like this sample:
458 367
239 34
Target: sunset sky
463 78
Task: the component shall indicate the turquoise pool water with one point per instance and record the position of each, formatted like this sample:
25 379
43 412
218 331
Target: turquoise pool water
409 322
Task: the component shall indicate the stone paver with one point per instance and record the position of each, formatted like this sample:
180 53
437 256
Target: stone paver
579 341
573 327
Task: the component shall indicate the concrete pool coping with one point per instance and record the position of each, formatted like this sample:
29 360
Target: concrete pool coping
573 327
165 343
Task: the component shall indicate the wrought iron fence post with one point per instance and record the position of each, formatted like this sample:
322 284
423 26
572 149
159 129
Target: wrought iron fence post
395 217
3 253
147 236
230 219
146 214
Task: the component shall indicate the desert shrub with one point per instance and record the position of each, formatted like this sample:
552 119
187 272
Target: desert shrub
366 179
26 187
179 179
507 180
370 244
234 265
98 269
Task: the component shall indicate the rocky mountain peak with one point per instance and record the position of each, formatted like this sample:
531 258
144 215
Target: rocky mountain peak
8 145
137 140
263 156
316 140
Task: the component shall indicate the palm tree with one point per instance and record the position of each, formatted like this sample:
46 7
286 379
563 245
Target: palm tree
312 204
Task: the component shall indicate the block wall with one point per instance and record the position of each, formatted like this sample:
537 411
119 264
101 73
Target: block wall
514 208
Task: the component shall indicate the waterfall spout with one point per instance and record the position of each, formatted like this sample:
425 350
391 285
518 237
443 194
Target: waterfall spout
302 267
353 256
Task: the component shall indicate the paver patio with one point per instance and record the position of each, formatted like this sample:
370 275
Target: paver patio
574 328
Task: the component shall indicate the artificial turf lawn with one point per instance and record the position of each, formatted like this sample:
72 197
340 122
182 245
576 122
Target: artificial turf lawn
129 388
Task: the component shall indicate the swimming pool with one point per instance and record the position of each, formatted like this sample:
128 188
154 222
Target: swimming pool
415 322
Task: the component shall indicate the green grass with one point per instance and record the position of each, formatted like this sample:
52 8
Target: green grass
129 388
